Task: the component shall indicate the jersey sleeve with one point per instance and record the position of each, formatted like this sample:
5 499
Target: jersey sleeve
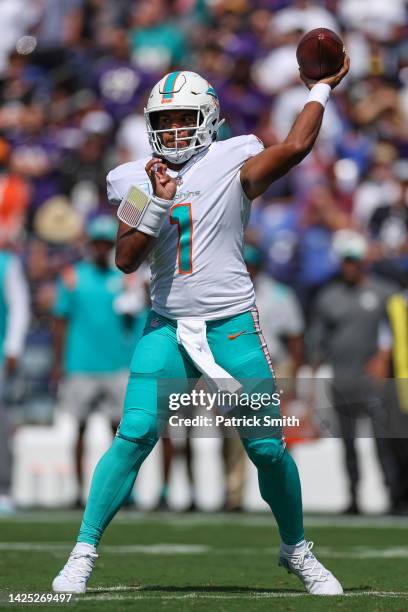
254 146
250 147
125 176
233 153
112 190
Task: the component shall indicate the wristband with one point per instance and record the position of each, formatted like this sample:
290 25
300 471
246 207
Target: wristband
143 212
320 93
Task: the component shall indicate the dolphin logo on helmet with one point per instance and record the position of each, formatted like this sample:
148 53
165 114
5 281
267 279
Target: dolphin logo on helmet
183 90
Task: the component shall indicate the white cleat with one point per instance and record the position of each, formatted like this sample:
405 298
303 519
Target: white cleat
75 574
316 578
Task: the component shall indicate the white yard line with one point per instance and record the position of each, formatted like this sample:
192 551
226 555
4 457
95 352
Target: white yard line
141 589
353 552
212 596
154 549
123 593
208 519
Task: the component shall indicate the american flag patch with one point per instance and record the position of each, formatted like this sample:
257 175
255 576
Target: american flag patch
133 206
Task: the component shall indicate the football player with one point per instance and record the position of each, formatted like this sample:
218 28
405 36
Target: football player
186 209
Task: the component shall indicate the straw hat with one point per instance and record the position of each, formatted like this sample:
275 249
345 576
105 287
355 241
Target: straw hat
57 221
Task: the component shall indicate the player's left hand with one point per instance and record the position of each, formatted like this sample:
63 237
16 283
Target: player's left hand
164 186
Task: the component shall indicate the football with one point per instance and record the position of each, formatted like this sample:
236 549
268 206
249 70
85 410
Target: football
320 54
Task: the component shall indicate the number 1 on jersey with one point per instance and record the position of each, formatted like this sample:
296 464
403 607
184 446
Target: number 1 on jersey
180 214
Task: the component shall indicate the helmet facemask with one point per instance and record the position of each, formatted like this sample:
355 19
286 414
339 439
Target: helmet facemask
199 136
183 134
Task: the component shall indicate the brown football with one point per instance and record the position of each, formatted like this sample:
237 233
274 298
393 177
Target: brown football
320 53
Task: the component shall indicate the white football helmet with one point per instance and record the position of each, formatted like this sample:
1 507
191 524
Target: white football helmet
178 91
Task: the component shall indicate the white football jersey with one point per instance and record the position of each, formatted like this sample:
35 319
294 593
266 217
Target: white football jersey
197 266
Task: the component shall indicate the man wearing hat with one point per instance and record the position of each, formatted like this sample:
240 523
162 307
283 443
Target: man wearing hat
92 336
344 334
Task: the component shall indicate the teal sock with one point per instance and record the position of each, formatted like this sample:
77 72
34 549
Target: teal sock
279 484
111 486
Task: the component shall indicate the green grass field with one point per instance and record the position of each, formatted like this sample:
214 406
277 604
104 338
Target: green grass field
212 562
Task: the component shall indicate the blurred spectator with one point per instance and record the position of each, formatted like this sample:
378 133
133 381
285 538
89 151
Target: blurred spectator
14 321
280 315
132 140
317 263
304 15
242 102
157 42
380 188
88 165
288 105
346 322
16 16
274 229
375 18
279 68
376 106
57 243
57 222
119 83
34 154
93 341
393 362
61 23
388 224
14 198
21 81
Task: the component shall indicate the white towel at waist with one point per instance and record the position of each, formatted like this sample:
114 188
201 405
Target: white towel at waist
192 335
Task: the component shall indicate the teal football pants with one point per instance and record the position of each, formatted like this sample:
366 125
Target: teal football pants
159 366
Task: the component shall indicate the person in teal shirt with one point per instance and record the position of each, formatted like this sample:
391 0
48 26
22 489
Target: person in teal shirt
156 42
93 336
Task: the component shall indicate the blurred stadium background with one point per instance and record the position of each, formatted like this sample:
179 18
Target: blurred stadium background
74 75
